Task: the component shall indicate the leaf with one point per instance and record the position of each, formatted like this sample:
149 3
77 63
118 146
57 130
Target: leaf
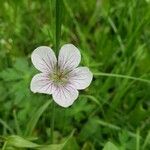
90 130
10 75
71 144
52 147
138 114
19 142
88 146
33 121
110 146
57 146
21 65
146 141
3 123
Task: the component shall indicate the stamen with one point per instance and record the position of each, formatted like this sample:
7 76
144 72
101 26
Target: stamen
59 77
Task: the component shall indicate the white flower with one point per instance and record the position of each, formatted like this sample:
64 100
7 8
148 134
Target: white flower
60 78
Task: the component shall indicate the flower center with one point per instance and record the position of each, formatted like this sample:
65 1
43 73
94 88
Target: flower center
59 77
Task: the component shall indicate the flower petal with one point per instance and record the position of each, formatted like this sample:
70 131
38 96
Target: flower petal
80 77
40 83
65 95
69 57
44 59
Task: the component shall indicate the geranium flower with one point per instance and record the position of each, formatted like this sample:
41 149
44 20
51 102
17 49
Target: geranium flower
61 78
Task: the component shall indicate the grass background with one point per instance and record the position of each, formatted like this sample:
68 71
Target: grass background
113 113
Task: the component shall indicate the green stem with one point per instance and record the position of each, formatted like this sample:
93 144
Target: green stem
58 19
16 122
58 24
121 76
52 122
4 146
138 140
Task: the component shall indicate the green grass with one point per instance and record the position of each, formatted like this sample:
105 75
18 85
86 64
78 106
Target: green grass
114 40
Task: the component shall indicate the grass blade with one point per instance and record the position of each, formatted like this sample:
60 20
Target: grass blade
122 76
138 140
33 121
6 126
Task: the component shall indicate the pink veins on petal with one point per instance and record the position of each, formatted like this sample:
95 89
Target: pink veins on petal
62 78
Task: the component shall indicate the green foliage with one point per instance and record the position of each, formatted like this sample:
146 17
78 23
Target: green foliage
32 123
18 143
110 146
114 39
